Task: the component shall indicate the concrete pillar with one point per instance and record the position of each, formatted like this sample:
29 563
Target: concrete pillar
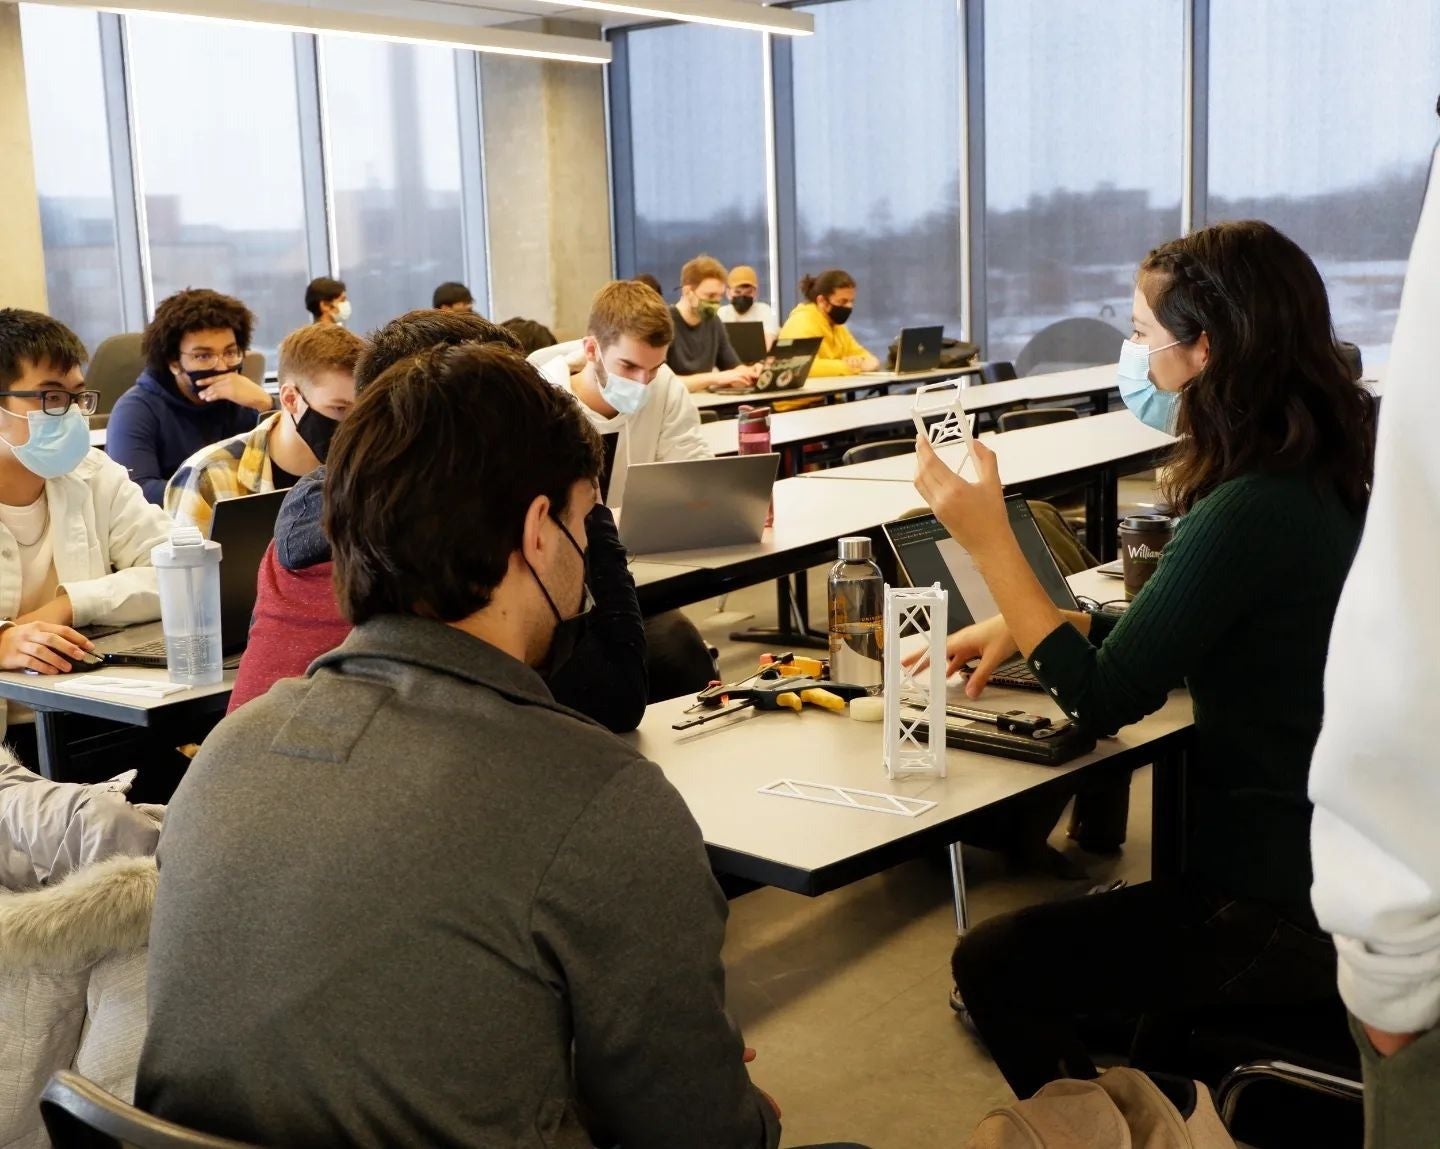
22 269
546 185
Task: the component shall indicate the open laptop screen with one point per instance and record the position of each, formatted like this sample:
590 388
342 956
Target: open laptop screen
927 554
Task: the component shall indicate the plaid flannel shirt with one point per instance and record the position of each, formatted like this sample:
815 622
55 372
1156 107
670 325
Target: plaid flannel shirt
226 470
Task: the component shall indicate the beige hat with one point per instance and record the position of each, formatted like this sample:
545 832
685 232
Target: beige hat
743 276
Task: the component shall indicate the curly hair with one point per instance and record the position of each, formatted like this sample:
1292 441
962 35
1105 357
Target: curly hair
194 309
1275 394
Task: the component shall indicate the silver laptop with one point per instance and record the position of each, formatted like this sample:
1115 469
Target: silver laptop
695 504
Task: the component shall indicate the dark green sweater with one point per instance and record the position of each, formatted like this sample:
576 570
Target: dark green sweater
1240 612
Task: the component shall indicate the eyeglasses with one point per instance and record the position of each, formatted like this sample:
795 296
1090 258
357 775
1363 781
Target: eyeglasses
58 402
204 360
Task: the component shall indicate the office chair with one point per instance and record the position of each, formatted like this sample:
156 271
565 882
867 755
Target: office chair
254 367
880 449
1001 371
113 369
1068 344
709 415
1036 417
78 1114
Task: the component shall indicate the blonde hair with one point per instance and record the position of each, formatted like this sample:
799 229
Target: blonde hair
701 268
629 308
309 350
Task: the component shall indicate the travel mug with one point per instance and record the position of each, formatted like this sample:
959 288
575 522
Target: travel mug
1142 539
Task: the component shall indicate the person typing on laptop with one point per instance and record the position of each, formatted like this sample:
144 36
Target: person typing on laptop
1233 351
829 303
317 390
75 532
700 353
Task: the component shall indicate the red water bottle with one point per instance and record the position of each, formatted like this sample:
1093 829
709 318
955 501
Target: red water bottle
754 432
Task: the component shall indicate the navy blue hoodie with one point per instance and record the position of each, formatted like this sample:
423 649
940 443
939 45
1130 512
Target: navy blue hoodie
154 428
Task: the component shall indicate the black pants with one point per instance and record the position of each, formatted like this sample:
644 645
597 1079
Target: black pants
678 660
1156 949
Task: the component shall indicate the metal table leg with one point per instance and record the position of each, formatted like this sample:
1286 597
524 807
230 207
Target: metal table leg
50 746
957 883
792 612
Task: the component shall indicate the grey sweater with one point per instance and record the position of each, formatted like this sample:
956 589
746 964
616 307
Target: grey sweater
411 900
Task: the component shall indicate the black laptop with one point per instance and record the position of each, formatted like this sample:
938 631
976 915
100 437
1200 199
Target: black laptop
748 340
919 349
927 555
785 369
243 527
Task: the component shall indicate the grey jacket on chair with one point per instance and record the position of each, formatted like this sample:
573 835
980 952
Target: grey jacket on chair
412 900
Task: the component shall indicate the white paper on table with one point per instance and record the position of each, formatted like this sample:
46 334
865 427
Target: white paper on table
129 687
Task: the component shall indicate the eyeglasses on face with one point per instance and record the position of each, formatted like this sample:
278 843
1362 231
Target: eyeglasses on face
58 402
204 360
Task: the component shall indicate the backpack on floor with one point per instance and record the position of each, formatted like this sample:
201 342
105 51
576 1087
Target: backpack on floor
1121 1109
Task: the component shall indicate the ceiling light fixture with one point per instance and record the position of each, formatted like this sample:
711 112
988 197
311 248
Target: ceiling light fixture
724 13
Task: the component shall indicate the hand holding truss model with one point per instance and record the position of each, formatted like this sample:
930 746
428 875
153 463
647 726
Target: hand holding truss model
943 399
910 611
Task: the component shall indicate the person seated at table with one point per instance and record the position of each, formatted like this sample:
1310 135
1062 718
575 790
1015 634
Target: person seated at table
1232 347
317 390
452 297
518 883
326 301
297 618
75 532
700 353
829 303
191 393
745 306
651 282
533 335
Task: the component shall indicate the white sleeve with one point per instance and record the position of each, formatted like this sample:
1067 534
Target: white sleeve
1375 779
680 427
128 593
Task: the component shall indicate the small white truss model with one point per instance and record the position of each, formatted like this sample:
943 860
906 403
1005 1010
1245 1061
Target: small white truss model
943 399
849 796
911 611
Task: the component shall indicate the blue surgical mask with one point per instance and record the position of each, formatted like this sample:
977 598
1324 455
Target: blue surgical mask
56 445
625 395
1152 406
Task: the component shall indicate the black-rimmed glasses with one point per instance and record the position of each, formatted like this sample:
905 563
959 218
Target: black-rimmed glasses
59 402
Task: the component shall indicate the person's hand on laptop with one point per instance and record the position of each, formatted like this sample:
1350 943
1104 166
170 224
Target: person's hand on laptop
735 377
989 641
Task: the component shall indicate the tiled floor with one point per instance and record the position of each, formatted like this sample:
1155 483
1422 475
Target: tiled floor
845 995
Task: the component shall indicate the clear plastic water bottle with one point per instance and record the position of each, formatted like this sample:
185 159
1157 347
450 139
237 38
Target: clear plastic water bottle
857 616
187 569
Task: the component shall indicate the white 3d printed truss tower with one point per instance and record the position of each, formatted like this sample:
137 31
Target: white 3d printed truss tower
915 610
944 399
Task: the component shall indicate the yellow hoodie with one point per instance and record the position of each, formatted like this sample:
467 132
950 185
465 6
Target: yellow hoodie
807 321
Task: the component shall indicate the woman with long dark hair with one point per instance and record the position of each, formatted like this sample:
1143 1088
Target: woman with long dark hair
1234 351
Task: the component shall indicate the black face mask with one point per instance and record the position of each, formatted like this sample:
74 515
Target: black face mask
198 377
841 315
742 303
568 631
316 430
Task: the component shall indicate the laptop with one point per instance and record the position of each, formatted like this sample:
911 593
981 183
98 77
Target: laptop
927 555
785 369
694 504
748 339
919 349
243 527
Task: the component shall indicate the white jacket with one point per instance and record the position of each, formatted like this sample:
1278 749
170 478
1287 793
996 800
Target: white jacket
665 429
1375 779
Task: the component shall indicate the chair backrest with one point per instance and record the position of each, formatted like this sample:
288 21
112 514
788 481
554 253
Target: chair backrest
880 449
709 415
998 372
254 367
1036 417
78 1114
113 369
1068 344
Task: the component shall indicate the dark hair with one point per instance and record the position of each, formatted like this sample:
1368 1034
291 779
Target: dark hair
1275 394
471 430
322 290
827 283
418 331
449 294
532 334
29 337
651 282
194 309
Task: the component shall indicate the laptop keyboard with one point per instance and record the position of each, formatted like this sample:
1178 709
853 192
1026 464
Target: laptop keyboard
1016 674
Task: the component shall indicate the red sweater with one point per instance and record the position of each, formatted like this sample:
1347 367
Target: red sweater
295 622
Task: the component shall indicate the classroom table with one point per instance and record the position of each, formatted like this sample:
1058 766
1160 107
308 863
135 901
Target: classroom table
833 387
53 696
790 431
810 848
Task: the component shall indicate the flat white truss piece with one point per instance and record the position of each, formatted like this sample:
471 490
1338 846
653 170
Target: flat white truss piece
911 611
848 796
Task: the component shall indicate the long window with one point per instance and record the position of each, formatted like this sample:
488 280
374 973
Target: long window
66 90
1322 118
877 159
695 130
391 111
1083 163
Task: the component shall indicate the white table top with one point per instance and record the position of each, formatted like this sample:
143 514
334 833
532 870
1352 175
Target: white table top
1031 454
718 768
97 437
